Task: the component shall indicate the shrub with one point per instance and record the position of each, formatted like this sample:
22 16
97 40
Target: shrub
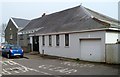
77 59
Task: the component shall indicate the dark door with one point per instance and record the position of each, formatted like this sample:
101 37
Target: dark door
36 43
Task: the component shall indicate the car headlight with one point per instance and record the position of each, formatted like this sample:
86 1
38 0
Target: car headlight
22 50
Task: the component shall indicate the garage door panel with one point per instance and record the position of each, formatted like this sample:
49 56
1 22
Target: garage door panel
91 50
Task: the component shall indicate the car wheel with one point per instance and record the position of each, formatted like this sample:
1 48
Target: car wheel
8 56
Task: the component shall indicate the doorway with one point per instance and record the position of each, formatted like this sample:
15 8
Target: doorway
36 43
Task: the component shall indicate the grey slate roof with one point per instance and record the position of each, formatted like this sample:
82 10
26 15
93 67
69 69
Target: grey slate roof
101 16
21 22
32 24
73 19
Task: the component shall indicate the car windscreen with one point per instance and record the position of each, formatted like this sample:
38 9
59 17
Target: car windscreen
15 47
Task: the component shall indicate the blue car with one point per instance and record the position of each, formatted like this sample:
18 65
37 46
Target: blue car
12 50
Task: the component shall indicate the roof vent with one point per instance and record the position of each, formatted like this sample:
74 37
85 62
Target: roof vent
43 14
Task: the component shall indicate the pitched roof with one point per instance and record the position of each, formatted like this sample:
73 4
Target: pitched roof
102 17
31 25
20 23
73 19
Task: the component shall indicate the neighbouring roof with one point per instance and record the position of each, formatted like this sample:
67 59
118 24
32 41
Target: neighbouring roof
20 23
102 17
73 19
32 25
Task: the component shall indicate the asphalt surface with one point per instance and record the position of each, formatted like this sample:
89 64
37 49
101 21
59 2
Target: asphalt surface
37 65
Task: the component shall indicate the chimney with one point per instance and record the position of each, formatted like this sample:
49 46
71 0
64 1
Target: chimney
43 14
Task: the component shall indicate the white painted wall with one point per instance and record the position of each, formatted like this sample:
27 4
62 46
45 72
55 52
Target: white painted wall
111 37
31 42
112 51
73 51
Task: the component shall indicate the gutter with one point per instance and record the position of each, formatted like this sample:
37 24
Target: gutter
70 32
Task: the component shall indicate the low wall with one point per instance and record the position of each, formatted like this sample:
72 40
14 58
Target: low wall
113 53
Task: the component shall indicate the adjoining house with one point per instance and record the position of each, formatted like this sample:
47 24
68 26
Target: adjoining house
77 32
11 32
25 38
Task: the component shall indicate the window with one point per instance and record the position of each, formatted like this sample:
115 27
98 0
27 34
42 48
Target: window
66 39
50 40
10 28
43 40
11 36
21 37
28 38
57 40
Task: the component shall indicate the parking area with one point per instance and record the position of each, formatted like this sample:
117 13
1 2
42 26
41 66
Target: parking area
37 65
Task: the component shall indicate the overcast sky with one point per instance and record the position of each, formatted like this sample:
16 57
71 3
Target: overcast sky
30 9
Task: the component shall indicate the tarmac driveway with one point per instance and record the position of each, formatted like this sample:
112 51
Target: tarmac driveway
37 65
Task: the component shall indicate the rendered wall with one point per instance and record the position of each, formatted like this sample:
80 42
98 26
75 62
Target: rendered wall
113 53
73 51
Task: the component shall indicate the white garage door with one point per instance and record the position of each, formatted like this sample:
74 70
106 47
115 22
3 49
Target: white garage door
91 50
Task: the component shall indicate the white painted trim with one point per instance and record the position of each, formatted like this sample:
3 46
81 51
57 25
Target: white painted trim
106 21
114 29
19 33
76 31
14 23
30 31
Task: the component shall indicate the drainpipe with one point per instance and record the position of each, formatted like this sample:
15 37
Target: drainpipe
42 52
